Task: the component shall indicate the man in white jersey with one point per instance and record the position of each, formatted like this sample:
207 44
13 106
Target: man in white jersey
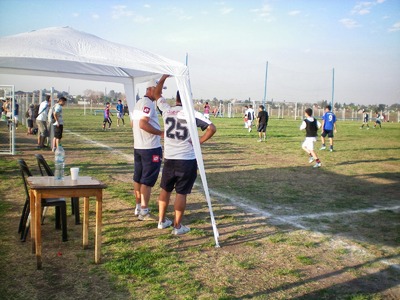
147 150
249 114
180 166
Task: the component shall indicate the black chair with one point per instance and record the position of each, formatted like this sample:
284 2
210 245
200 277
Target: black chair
60 207
45 169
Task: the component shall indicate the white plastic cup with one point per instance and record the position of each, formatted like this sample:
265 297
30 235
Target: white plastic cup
74 173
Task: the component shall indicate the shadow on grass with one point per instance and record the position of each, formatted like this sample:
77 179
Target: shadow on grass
318 200
363 283
367 161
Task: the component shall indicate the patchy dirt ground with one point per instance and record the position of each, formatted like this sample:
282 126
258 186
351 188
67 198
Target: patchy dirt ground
256 260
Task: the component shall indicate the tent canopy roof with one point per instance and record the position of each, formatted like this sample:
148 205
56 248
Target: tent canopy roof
66 52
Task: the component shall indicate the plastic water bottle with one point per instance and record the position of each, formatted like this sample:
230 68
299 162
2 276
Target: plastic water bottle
59 161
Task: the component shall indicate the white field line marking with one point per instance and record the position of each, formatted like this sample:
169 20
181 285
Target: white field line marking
348 212
243 203
129 158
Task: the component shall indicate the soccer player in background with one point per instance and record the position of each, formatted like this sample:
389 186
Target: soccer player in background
365 119
311 125
120 112
328 127
262 120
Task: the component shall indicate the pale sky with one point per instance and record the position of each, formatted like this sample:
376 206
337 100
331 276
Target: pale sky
229 42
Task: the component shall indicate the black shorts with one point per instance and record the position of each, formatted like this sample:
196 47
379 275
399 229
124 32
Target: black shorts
147 165
262 128
107 120
30 123
179 174
328 133
58 131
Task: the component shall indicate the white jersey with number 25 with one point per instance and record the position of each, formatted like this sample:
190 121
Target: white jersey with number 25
177 141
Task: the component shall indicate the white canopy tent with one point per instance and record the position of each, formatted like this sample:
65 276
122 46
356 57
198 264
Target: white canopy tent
68 53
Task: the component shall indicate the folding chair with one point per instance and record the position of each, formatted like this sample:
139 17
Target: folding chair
60 207
45 169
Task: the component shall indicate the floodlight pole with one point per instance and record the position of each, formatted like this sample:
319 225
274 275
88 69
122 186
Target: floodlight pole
333 86
265 85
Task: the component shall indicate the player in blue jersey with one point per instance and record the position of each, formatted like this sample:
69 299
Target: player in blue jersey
120 113
328 127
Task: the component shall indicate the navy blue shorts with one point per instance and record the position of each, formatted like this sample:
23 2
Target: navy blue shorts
328 133
147 165
179 174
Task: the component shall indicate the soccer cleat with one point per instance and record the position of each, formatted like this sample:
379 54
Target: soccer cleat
165 224
317 165
146 217
331 150
322 148
182 230
310 160
259 140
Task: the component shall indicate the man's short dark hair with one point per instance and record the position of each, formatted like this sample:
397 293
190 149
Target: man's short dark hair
308 111
63 99
262 107
328 107
48 97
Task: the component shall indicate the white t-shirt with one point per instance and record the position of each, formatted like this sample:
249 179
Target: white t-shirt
177 141
43 110
142 139
249 113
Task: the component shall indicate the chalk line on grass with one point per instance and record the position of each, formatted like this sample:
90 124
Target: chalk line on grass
129 158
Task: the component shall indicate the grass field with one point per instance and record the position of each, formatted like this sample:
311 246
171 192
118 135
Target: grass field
287 231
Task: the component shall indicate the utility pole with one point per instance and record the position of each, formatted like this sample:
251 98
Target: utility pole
333 87
265 85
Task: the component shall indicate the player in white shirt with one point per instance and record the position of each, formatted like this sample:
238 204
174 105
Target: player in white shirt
180 165
311 126
249 115
147 150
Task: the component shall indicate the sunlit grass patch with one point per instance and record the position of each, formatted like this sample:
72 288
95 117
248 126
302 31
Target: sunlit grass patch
305 260
253 244
278 238
198 232
288 272
245 264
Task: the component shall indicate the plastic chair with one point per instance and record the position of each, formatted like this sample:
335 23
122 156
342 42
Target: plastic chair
60 207
45 169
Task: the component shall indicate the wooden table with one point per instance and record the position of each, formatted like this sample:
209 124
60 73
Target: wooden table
48 187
